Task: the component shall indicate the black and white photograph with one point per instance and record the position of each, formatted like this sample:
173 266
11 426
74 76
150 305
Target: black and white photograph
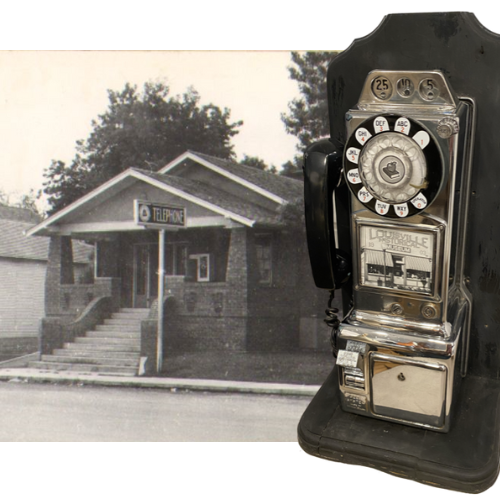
202 290
396 259
161 250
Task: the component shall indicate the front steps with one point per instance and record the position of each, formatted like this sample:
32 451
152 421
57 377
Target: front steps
113 348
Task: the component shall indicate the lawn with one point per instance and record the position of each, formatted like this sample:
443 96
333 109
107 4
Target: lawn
306 367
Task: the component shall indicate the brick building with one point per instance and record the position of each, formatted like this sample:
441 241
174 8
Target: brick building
23 265
236 275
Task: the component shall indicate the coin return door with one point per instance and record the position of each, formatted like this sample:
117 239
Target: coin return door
392 386
407 389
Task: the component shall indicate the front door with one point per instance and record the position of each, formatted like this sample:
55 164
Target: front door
145 274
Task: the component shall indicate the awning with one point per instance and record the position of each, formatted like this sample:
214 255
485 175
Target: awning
418 264
376 258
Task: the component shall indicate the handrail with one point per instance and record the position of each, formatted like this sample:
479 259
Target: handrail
94 313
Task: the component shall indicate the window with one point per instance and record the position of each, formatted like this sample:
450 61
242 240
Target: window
375 269
264 251
105 265
176 259
202 266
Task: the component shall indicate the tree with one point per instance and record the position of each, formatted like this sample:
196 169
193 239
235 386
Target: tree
308 115
4 198
290 169
144 129
292 215
256 162
28 201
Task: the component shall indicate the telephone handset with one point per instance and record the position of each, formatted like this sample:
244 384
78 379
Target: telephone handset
406 164
323 173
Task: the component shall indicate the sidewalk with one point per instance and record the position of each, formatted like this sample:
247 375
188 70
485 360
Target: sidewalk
30 375
281 373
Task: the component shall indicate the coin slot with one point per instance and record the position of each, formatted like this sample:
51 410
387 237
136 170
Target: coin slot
428 89
382 88
405 87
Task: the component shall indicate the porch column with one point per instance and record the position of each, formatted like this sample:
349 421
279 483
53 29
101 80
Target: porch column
161 299
59 272
236 308
237 269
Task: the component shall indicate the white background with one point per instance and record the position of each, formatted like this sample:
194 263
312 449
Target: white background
219 471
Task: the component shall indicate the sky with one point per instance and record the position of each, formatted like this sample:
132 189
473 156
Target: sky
49 98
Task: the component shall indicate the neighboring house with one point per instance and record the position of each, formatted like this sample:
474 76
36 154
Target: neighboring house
23 264
237 277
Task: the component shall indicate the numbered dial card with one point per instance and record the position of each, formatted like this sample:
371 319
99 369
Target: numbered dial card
393 166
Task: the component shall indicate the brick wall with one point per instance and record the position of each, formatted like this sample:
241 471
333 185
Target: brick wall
277 310
74 298
241 314
234 313
64 297
59 272
212 315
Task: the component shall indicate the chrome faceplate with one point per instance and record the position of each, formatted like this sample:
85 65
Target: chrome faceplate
411 308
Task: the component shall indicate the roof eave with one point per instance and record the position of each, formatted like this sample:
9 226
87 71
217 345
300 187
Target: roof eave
37 230
49 225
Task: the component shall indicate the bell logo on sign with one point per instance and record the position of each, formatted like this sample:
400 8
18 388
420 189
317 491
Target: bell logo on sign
144 213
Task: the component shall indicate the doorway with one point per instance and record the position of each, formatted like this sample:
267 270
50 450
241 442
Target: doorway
145 274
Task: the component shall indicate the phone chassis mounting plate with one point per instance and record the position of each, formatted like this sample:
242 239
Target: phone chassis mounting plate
467 458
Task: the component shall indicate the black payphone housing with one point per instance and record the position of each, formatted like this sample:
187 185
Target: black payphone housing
411 158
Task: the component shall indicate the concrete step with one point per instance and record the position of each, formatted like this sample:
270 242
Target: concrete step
111 348
108 341
115 361
84 368
113 334
103 347
118 328
130 315
137 310
121 321
80 352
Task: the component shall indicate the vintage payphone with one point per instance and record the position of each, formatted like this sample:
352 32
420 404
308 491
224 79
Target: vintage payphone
396 179
404 344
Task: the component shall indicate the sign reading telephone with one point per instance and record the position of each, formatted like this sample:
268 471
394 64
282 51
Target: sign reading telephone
152 214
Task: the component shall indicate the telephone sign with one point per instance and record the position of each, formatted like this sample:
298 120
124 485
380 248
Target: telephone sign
158 214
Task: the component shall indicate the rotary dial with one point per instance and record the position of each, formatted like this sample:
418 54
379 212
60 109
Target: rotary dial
393 166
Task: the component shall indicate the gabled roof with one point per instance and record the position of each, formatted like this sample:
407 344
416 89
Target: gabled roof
279 188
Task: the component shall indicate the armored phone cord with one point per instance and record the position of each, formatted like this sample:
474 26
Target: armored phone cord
333 322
